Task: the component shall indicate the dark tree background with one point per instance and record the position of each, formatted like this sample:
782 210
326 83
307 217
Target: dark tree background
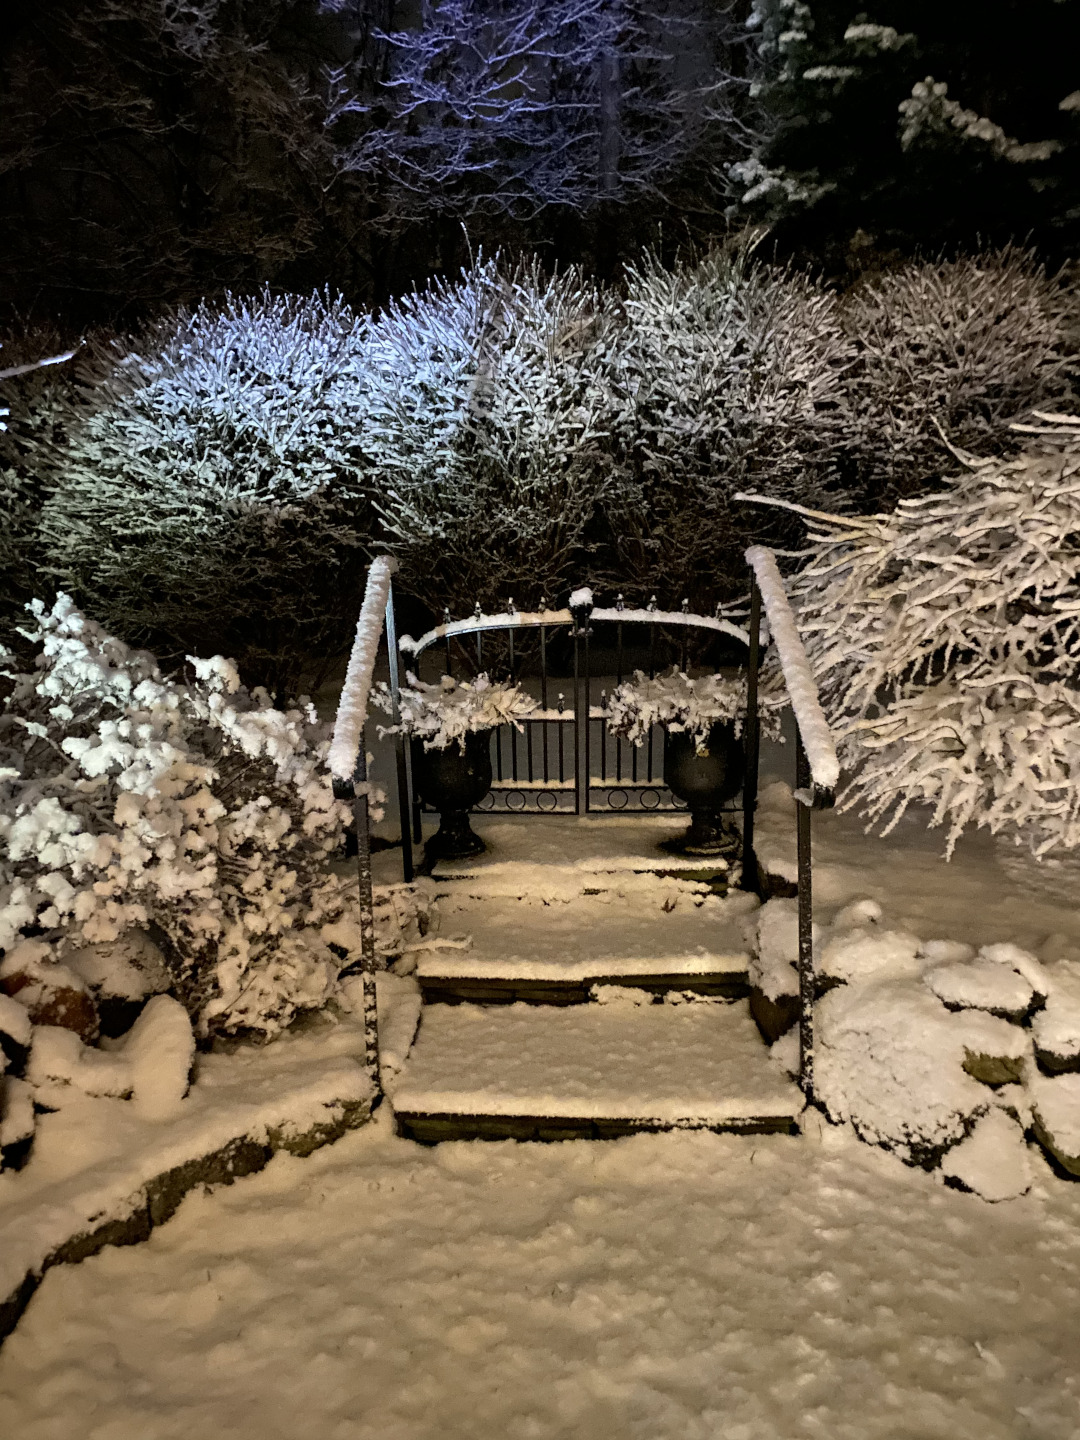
158 151
990 152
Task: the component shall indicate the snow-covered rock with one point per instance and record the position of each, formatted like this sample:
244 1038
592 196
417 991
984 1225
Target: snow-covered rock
131 967
993 1160
983 984
53 994
160 1050
995 1051
60 1062
867 950
1056 1029
890 1059
1055 1104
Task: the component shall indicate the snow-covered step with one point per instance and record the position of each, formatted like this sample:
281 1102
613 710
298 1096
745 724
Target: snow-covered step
575 853
499 950
590 1071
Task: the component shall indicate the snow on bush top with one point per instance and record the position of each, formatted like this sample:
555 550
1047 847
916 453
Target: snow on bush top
944 636
680 703
444 713
216 447
127 800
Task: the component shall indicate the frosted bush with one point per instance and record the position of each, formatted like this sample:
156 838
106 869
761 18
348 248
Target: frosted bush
733 375
444 714
195 809
961 346
487 407
944 638
680 703
206 492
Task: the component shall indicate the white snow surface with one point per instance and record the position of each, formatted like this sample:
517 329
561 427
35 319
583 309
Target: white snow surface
981 984
92 1156
618 932
993 1160
1057 1027
353 705
14 1020
686 1286
696 1062
798 677
1056 1101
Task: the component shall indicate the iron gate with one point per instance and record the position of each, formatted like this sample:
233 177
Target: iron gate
565 759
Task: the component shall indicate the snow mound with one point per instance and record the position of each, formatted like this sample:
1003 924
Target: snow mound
131 967
160 1048
59 1060
865 950
947 952
772 967
858 913
1057 1028
1055 1104
993 1160
982 984
890 1060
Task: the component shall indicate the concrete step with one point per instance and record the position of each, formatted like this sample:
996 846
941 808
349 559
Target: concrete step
656 935
590 1071
584 853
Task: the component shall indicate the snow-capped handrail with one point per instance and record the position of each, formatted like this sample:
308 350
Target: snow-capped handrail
525 619
353 705
801 687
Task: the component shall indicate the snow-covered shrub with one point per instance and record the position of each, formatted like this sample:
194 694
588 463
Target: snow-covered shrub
205 496
944 637
680 703
732 376
487 407
443 714
37 391
961 346
193 808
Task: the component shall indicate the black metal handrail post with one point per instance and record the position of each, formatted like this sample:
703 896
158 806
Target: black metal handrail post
807 986
356 791
751 742
401 749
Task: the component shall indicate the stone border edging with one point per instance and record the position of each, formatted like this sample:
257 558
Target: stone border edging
159 1199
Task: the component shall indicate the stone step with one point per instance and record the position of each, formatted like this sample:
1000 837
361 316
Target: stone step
578 854
660 936
590 1071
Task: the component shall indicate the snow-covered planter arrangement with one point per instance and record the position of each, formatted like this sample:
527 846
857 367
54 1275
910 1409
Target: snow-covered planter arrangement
682 704
944 638
444 714
192 809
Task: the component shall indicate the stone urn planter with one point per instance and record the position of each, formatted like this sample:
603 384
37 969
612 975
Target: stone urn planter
452 781
705 775
449 726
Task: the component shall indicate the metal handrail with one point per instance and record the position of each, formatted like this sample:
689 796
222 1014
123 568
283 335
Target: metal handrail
817 769
347 761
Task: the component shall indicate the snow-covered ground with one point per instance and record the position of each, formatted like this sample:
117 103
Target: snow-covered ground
697 1286
681 1285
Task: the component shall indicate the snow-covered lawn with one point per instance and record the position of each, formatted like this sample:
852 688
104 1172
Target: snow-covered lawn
692 1286
683 1286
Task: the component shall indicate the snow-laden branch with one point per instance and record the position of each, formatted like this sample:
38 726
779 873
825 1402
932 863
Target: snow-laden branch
813 727
353 705
530 619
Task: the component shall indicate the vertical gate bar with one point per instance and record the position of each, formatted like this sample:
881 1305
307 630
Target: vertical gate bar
618 681
588 724
603 737
559 733
544 695
577 726
752 743
404 778
806 924
498 752
449 658
652 675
